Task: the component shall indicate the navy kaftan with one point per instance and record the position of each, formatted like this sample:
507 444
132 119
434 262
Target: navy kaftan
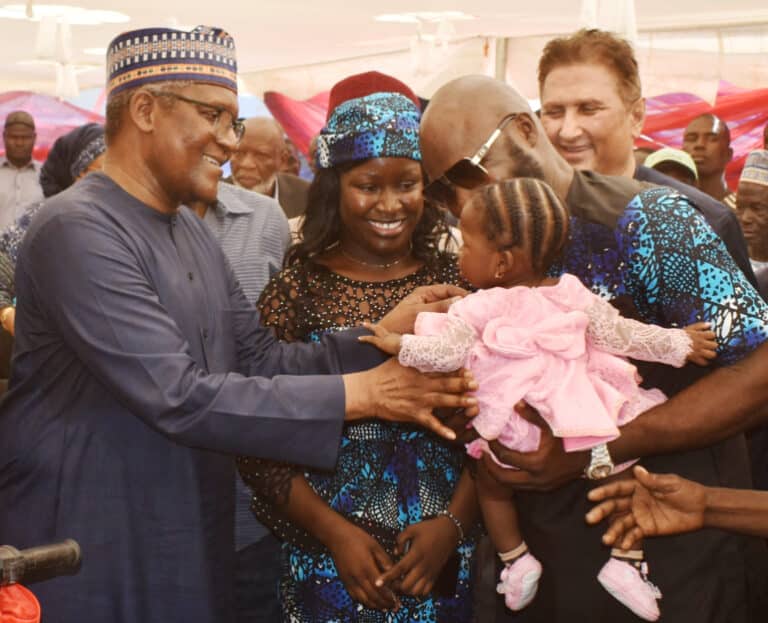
128 394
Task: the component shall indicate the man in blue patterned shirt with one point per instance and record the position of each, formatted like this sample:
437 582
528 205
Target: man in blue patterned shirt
654 256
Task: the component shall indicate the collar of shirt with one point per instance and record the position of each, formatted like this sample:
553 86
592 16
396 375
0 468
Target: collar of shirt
32 164
231 207
275 196
601 198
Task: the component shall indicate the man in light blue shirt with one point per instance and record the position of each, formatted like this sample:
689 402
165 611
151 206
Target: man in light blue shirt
253 232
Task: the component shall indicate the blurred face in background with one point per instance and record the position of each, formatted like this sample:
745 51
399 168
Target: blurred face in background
706 141
19 140
752 212
259 156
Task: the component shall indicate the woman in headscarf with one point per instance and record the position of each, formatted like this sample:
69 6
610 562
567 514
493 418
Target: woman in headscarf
398 495
72 157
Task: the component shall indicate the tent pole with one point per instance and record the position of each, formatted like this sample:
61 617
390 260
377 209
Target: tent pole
502 49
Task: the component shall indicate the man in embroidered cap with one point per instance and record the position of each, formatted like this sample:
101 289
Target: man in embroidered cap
140 367
19 173
752 210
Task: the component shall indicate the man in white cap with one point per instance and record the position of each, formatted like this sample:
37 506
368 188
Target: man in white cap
752 211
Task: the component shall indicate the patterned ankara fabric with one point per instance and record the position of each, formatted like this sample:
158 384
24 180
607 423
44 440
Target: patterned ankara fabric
387 477
655 258
379 125
667 252
204 54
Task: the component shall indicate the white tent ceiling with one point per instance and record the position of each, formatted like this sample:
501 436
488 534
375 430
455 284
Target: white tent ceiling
302 47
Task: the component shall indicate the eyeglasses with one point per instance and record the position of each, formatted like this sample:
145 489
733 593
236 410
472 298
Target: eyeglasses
467 173
214 114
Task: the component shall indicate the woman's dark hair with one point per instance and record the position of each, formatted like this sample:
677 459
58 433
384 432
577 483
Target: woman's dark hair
322 224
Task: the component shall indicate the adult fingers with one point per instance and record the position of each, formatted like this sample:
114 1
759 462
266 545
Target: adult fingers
380 598
422 587
612 490
622 529
411 578
656 483
425 419
607 508
376 329
402 539
460 381
393 575
382 559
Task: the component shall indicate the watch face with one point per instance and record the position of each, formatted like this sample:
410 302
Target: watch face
601 471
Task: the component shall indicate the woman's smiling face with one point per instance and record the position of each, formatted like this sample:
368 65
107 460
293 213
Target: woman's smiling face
380 205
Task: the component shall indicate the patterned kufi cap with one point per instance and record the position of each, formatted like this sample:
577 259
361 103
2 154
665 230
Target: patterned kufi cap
755 169
205 54
380 120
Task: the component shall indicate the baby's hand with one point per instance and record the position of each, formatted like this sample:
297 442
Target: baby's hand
703 344
382 339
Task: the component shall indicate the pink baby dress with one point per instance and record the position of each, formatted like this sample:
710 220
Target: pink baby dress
559 348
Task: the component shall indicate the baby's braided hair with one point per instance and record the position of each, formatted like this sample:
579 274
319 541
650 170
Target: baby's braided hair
525 212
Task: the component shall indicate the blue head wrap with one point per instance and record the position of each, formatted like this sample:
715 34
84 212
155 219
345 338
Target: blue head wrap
379 125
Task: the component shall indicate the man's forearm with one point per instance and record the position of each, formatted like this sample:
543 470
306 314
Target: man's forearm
737 510
728 401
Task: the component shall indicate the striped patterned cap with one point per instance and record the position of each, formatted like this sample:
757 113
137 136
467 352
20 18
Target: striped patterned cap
755 169
138 57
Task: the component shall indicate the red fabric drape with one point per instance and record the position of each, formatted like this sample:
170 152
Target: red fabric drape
745 112
301 120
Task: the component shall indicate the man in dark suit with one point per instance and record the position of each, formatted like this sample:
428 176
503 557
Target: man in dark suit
256 166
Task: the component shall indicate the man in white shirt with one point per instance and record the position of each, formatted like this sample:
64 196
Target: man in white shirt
19 174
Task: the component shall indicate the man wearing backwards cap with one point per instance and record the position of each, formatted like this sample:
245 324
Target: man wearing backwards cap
19 174
132 383
674 163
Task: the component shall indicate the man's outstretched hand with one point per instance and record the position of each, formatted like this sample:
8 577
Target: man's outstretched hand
648 505
398 394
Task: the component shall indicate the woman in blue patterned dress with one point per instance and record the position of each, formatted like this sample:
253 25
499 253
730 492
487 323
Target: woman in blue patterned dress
398 493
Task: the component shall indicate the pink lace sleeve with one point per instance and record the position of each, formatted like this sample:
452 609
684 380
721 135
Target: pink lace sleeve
611 332
438 353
